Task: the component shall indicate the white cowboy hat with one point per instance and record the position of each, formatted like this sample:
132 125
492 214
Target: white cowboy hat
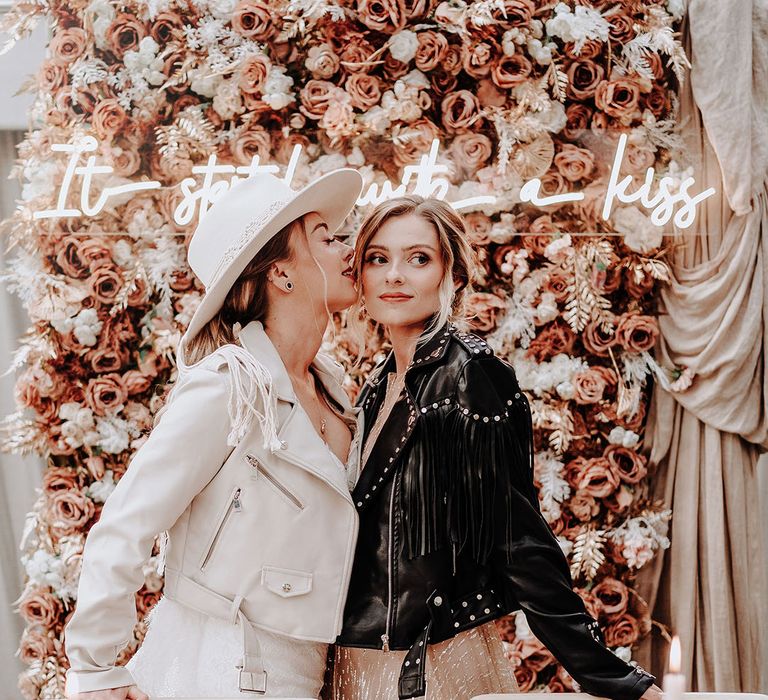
247 216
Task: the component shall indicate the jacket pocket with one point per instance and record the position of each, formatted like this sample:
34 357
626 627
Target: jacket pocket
261 471
233 506
286 583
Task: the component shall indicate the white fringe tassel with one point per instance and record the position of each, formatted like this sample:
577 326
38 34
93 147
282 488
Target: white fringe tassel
250 381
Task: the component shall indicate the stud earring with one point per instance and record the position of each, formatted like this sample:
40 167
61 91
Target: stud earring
289 286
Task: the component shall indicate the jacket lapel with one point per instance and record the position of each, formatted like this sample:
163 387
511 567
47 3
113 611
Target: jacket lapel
302 445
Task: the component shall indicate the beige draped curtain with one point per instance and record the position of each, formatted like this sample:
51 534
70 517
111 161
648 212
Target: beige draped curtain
709 588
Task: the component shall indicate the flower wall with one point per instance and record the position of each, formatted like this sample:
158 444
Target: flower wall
511 89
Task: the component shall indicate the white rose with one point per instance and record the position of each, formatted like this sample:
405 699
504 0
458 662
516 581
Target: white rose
403 45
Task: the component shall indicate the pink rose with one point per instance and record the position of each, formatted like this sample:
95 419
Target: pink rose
105 284
108 118
589 386
554 339
254 141
574 163
382 15
597 478
432 48
613 595
416 141
510 71
471 151
363 90
598 337
477 58
125 33
322 61
619 99
623 632
637 333
67 45
315 97
166 27
106 394
59 479
253 73
460 110
628 464
38 606
69 512
253 19
583 78
482 309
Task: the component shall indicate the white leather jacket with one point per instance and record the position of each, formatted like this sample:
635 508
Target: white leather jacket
256 535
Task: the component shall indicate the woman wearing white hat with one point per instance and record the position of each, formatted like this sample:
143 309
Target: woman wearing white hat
244 470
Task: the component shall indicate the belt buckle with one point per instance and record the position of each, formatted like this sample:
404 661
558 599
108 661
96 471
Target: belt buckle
253 682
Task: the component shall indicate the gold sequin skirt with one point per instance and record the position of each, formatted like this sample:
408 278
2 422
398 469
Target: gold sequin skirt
471 663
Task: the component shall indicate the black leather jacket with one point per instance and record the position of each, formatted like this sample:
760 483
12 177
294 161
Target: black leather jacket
451 535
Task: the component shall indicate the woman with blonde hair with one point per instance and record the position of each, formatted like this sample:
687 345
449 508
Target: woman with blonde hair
451 536
244 471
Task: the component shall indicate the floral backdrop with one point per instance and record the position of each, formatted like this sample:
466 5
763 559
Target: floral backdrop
512 89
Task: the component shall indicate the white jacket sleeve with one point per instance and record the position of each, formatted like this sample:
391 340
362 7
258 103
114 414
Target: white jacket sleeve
181 455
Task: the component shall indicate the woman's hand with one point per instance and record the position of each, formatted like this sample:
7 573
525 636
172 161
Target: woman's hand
653 693
125 692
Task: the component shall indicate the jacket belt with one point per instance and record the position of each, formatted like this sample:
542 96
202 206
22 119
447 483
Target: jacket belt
252 677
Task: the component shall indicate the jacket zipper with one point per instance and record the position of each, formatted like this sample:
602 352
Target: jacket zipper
390 583
234 507
260 469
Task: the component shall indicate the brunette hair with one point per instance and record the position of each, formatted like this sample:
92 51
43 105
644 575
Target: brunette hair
247 299
456 253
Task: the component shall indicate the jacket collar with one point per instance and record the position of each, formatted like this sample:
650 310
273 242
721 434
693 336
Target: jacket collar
254 338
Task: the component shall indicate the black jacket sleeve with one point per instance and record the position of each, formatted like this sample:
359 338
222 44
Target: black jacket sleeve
527 557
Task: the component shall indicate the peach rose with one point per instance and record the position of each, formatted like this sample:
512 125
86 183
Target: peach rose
135 382
583 506
253 73
107 359
613 595
482 309
39 606
627 463
552 183
394 69
556 283
443 82
432 48
106 394
69 512
608 374
477 59
622 27
254 141
173 68
382 15
589 386
315 97
253 20
59 479
69 258
555 338
460 110
597 479
125 33
525 677
125 159
67 45
637 333
105 284
598 337
638 288
619 99
574 163
591 48
510 71
471 151
415 141
453 59
478 228
619 501
166 27
658 100
577 115
583 79
145 601
356 55
623 632
363 90
513 13
36 646
109 118
51 76
322 61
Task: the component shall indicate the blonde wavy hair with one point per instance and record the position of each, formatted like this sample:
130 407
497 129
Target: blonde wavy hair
247 299
458 260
